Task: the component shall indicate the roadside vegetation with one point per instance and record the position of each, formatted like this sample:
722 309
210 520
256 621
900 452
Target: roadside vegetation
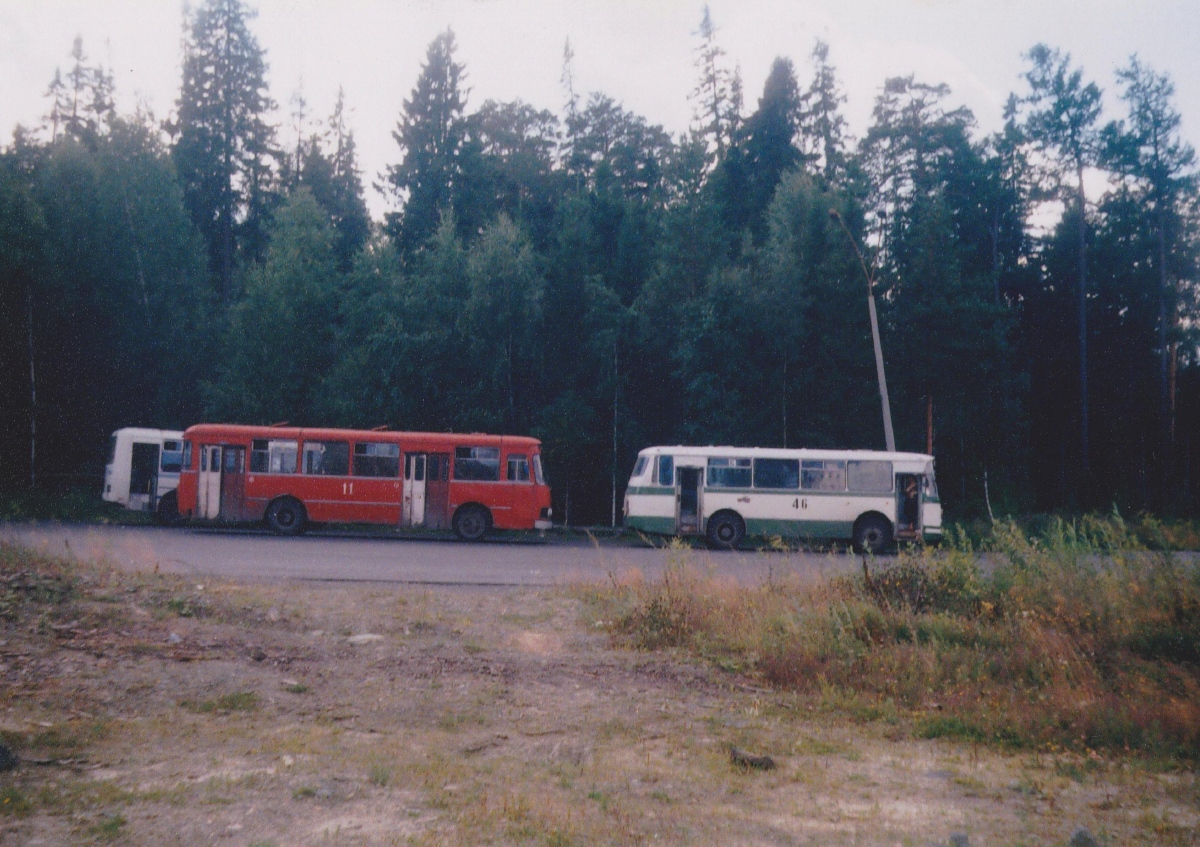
144 708
1084 637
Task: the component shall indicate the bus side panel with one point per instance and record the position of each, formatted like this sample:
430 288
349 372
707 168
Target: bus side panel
796 514
498 498
186 491
376 499
651 509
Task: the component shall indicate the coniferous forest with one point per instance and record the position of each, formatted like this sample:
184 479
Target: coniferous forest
590 279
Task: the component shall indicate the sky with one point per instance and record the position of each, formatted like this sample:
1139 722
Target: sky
640 52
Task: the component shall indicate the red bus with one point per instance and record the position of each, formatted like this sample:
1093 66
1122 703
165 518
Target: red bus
288 476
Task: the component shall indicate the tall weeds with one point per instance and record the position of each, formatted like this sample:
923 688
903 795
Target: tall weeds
1081 636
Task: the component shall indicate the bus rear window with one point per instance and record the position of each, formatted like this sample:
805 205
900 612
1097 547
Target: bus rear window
639 467
172 457
112 449
539 476
327 458
477 464
187 455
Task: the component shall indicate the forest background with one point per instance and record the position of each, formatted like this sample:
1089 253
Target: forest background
588 278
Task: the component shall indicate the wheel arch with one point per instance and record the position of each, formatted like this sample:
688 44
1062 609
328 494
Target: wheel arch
720 512
285 498
874 513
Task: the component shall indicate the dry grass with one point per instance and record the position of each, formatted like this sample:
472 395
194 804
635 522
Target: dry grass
492 718
1080 639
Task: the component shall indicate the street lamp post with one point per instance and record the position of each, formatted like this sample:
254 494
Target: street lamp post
883 392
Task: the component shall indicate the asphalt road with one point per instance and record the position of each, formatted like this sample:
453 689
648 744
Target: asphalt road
252 556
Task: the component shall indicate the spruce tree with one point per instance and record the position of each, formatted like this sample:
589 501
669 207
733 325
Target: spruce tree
224 149
430 134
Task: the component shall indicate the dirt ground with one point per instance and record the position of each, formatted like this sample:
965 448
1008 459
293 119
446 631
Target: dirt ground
153 711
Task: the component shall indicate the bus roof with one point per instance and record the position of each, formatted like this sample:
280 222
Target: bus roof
428 439
146 432
784 453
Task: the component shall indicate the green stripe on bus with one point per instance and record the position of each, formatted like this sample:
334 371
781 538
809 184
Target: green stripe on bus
799 529
650 489
659 526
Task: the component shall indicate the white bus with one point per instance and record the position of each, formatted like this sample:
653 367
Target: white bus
726 493
143 471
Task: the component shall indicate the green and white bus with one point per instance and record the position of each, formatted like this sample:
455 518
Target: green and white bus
726 493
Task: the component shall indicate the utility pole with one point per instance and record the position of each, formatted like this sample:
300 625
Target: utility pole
883 392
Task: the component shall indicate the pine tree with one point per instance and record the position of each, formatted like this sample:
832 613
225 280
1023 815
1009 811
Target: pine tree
430 134
1158 163
224 150
1060 119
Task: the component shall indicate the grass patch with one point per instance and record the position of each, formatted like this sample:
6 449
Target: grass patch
13 802
110 828
239 701
1083 636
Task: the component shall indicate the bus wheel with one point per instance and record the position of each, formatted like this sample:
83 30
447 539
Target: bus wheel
725 531
167 512
471 522
286 516
872 534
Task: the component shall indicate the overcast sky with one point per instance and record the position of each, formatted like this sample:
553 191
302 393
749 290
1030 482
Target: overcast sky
640 52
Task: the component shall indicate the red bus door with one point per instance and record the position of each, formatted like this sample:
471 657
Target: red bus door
208 483
233 483
437 491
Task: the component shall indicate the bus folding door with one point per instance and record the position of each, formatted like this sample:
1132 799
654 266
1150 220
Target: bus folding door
413 507
208 483
437 490
233 483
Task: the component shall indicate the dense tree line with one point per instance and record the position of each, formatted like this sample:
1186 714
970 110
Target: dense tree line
593 280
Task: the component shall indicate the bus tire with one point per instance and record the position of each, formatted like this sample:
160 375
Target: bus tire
726 531
167 511
286 516
872 533
472 522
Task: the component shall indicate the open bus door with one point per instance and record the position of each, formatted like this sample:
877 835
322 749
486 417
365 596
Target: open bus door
208 483
233 483
143 476
908 505
687 500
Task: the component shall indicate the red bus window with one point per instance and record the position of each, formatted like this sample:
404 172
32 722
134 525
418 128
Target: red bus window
518 468
376 459
477 464
327 458
273 455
